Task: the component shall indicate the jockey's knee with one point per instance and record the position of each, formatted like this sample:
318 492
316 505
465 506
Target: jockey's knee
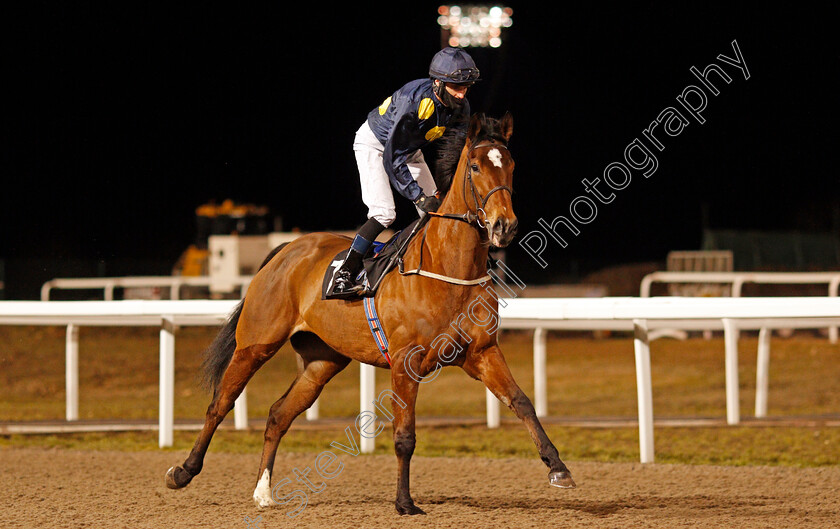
385 217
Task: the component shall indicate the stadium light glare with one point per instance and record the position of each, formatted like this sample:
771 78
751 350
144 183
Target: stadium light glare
473 25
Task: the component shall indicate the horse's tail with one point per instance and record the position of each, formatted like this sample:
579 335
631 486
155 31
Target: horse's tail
218 355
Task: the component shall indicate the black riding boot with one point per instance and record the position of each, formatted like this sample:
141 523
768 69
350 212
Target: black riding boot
345 276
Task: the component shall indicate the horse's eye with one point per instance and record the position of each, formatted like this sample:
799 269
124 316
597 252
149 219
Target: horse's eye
474 167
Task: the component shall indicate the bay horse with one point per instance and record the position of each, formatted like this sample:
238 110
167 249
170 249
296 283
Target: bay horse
284 303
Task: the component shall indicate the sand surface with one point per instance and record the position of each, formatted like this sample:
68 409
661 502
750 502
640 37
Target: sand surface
69 488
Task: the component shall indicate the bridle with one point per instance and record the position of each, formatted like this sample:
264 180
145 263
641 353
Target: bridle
479 217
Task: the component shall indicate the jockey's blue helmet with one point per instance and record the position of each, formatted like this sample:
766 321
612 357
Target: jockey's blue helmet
453 65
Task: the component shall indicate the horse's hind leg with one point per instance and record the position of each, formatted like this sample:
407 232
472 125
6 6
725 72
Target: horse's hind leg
320 364
490 367
244 363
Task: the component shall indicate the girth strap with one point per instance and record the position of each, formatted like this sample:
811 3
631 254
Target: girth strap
376 328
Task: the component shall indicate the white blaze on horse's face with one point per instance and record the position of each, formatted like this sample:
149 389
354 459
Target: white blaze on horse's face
500 222
495 156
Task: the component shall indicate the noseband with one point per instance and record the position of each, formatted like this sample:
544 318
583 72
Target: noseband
479 217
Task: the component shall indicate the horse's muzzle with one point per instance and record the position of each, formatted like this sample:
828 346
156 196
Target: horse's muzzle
502 231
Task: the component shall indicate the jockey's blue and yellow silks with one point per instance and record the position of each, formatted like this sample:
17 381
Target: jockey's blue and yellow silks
405 122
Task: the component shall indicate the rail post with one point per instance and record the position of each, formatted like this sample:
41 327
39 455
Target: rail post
540 392
833 288
644 392
240 410
762 372
71 372
367 394
166 419
730 337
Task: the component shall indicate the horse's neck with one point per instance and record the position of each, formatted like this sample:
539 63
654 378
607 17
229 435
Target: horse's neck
452 247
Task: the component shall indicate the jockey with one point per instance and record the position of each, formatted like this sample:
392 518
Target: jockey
387 148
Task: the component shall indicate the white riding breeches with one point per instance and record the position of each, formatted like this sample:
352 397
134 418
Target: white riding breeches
377 193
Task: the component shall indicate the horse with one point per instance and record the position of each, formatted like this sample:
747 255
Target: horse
284 303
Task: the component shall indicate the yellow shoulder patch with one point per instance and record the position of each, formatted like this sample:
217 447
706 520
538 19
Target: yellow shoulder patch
434 133
426 109
384 106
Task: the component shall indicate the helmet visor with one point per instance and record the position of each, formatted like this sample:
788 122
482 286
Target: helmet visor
464 75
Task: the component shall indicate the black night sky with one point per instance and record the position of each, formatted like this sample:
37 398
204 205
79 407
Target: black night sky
119 119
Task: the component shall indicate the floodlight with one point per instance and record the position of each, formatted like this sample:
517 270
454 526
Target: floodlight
473 25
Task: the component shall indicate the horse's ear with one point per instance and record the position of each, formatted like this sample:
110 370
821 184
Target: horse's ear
506 126
476 122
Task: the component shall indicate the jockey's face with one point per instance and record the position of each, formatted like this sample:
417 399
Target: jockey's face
458 91
450 94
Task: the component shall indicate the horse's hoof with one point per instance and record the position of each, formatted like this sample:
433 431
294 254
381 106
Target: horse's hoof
177 478
262 493
409 509
263 503
562 480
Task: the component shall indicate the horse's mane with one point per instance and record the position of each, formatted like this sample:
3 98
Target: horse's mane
450 145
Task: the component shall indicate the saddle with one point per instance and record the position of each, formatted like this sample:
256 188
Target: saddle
380 259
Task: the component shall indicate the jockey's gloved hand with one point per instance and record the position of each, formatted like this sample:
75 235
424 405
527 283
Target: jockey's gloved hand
426 203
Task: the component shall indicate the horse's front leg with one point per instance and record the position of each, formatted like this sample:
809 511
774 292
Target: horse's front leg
405 390
489 366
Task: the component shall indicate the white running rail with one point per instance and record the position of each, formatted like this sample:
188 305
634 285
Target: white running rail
738 279
638 315
109 284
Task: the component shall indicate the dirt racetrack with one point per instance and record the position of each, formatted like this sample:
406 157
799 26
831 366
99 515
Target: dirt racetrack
69 488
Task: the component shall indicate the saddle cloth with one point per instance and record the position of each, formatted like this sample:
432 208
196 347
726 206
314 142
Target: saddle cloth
380 259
